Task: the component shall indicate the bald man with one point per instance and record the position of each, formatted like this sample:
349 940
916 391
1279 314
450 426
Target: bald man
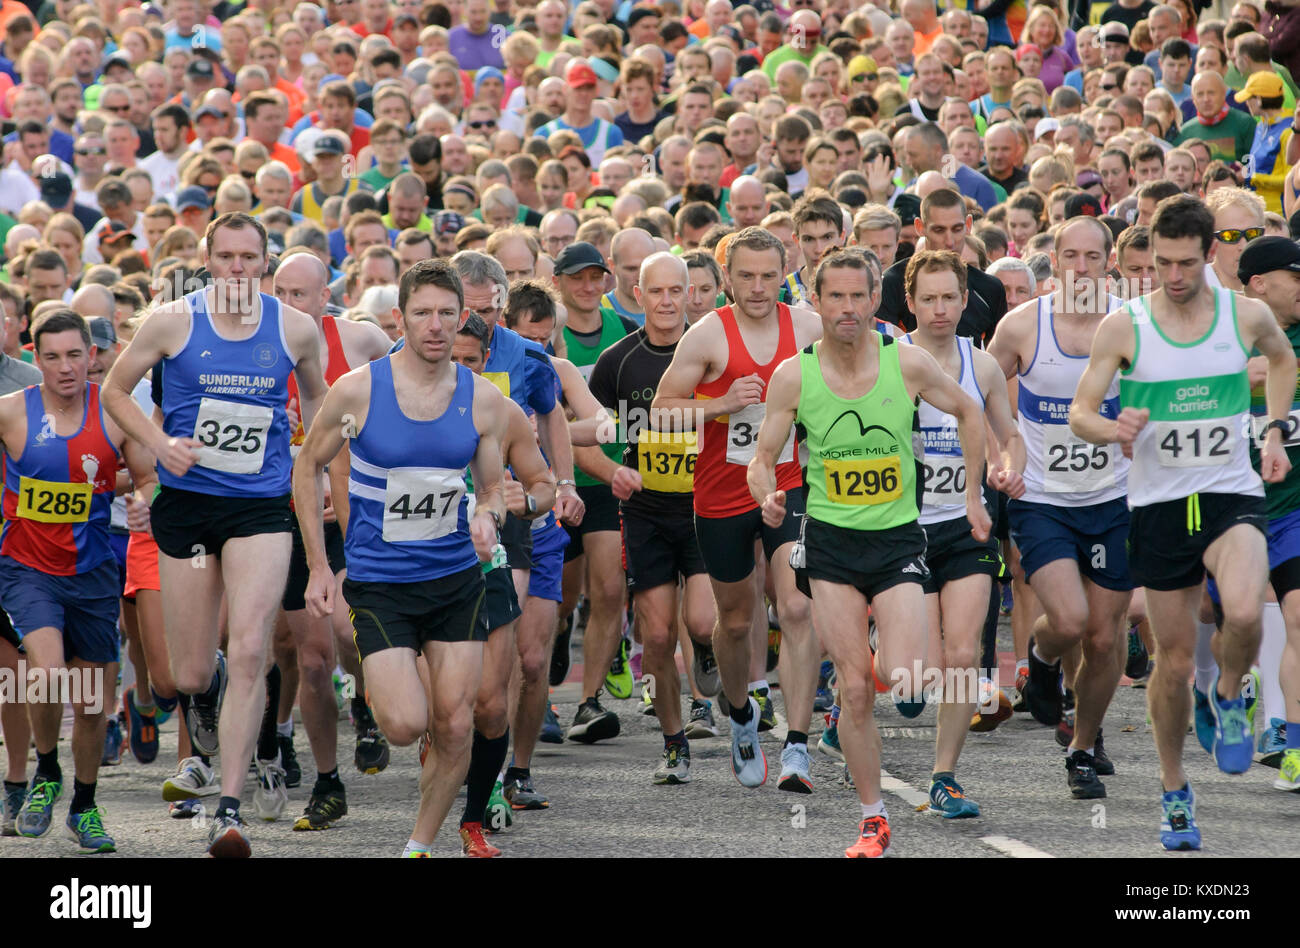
95 301
302 281
1229 136
802 42
748 203
627 251
742 139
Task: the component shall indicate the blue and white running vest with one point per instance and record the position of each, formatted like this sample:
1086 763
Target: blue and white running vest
944 497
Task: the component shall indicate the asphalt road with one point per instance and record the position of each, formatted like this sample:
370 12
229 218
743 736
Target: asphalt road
604 804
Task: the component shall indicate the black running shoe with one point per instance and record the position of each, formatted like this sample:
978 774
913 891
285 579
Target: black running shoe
1136 665
289 761
560 656
372 748
1043 689
1065 726
766 709
1082 777
205 714
323 810
593 723
1100 762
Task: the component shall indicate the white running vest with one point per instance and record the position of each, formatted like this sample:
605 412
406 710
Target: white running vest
945 472
1062 469
1198 394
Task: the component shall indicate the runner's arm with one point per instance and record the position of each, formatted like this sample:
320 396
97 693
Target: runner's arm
13 419
1111 349
146 349
526 461
341 416
691 363
591 417
997 409
1279 387
1006 342
782 403
339 470
487 467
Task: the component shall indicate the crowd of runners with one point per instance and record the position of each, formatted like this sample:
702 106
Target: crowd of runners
360 357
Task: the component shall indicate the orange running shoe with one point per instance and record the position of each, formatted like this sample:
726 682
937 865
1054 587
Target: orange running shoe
981 722
473 844
873 839
425 740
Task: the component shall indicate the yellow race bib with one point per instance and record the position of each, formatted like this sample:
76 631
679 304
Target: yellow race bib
501 380
667 461
863 482
54 502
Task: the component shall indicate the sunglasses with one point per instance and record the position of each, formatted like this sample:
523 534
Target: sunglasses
1110 88
116 108
248 175
486 123
1233 236
87 152
865 77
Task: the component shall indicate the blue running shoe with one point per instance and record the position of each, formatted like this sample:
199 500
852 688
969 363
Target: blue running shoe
1272 743
825 697
829 743
552 733
141 729
1008 601
949 801
1234 744
748 761
112 742
1178 825
1203 720
36 814
87 828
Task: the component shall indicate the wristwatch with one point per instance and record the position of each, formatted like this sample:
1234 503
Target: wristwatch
496 518
1282 424
566 483
530 507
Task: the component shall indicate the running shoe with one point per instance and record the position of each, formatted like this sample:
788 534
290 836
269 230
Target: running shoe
289 761
1288 776
1178 820
13 802
676 767
647 703
270 797
1234 738
1145 677
634 663
372 751
37 811
748 762
773 641
87 829
141 729
552 733
829 743
112 742
1008 600
521 795
323 810
473 844
949 801
767 709
1065 726
1100 761
618 680
982 722
184 809
1203 719
418 854
593 723
912 707
423 745
1082 777
824 697
339 698
1136 665
560 654
845 779
193 779
873 839
1022 679
705 668
796 769
205 714
1272 743
700 723
1251 689
227 838
497 815
1043 690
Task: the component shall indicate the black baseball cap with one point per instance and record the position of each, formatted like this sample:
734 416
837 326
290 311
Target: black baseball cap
577 257
55 189
1266 254
1082 205
199 68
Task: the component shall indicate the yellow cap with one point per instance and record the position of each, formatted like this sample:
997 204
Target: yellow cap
1266 85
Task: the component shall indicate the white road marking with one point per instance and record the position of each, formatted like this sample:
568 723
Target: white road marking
1014 847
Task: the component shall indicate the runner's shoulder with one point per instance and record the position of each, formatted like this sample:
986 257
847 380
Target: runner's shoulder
363 339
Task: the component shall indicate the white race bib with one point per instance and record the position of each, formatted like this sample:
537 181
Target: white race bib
1194 443
945 481
422 503
1071 465
742 435
1258 423
232 435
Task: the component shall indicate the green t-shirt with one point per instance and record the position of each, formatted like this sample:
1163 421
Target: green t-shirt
783 54
1229 140
377 179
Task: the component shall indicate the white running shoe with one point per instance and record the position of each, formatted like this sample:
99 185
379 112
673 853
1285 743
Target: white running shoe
271 796
193 779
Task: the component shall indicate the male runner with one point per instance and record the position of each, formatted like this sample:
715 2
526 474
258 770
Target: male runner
415 421
961 567
819 231
223 452
302 281
655 489
529 491
58 575
854 394
718 378
1196 502
1070 524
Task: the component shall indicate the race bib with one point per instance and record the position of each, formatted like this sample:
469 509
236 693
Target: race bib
53 502
421 503
864 482
1194 443
501 380
1258 422
1074 466
742 435
945 481
231 435
667 461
